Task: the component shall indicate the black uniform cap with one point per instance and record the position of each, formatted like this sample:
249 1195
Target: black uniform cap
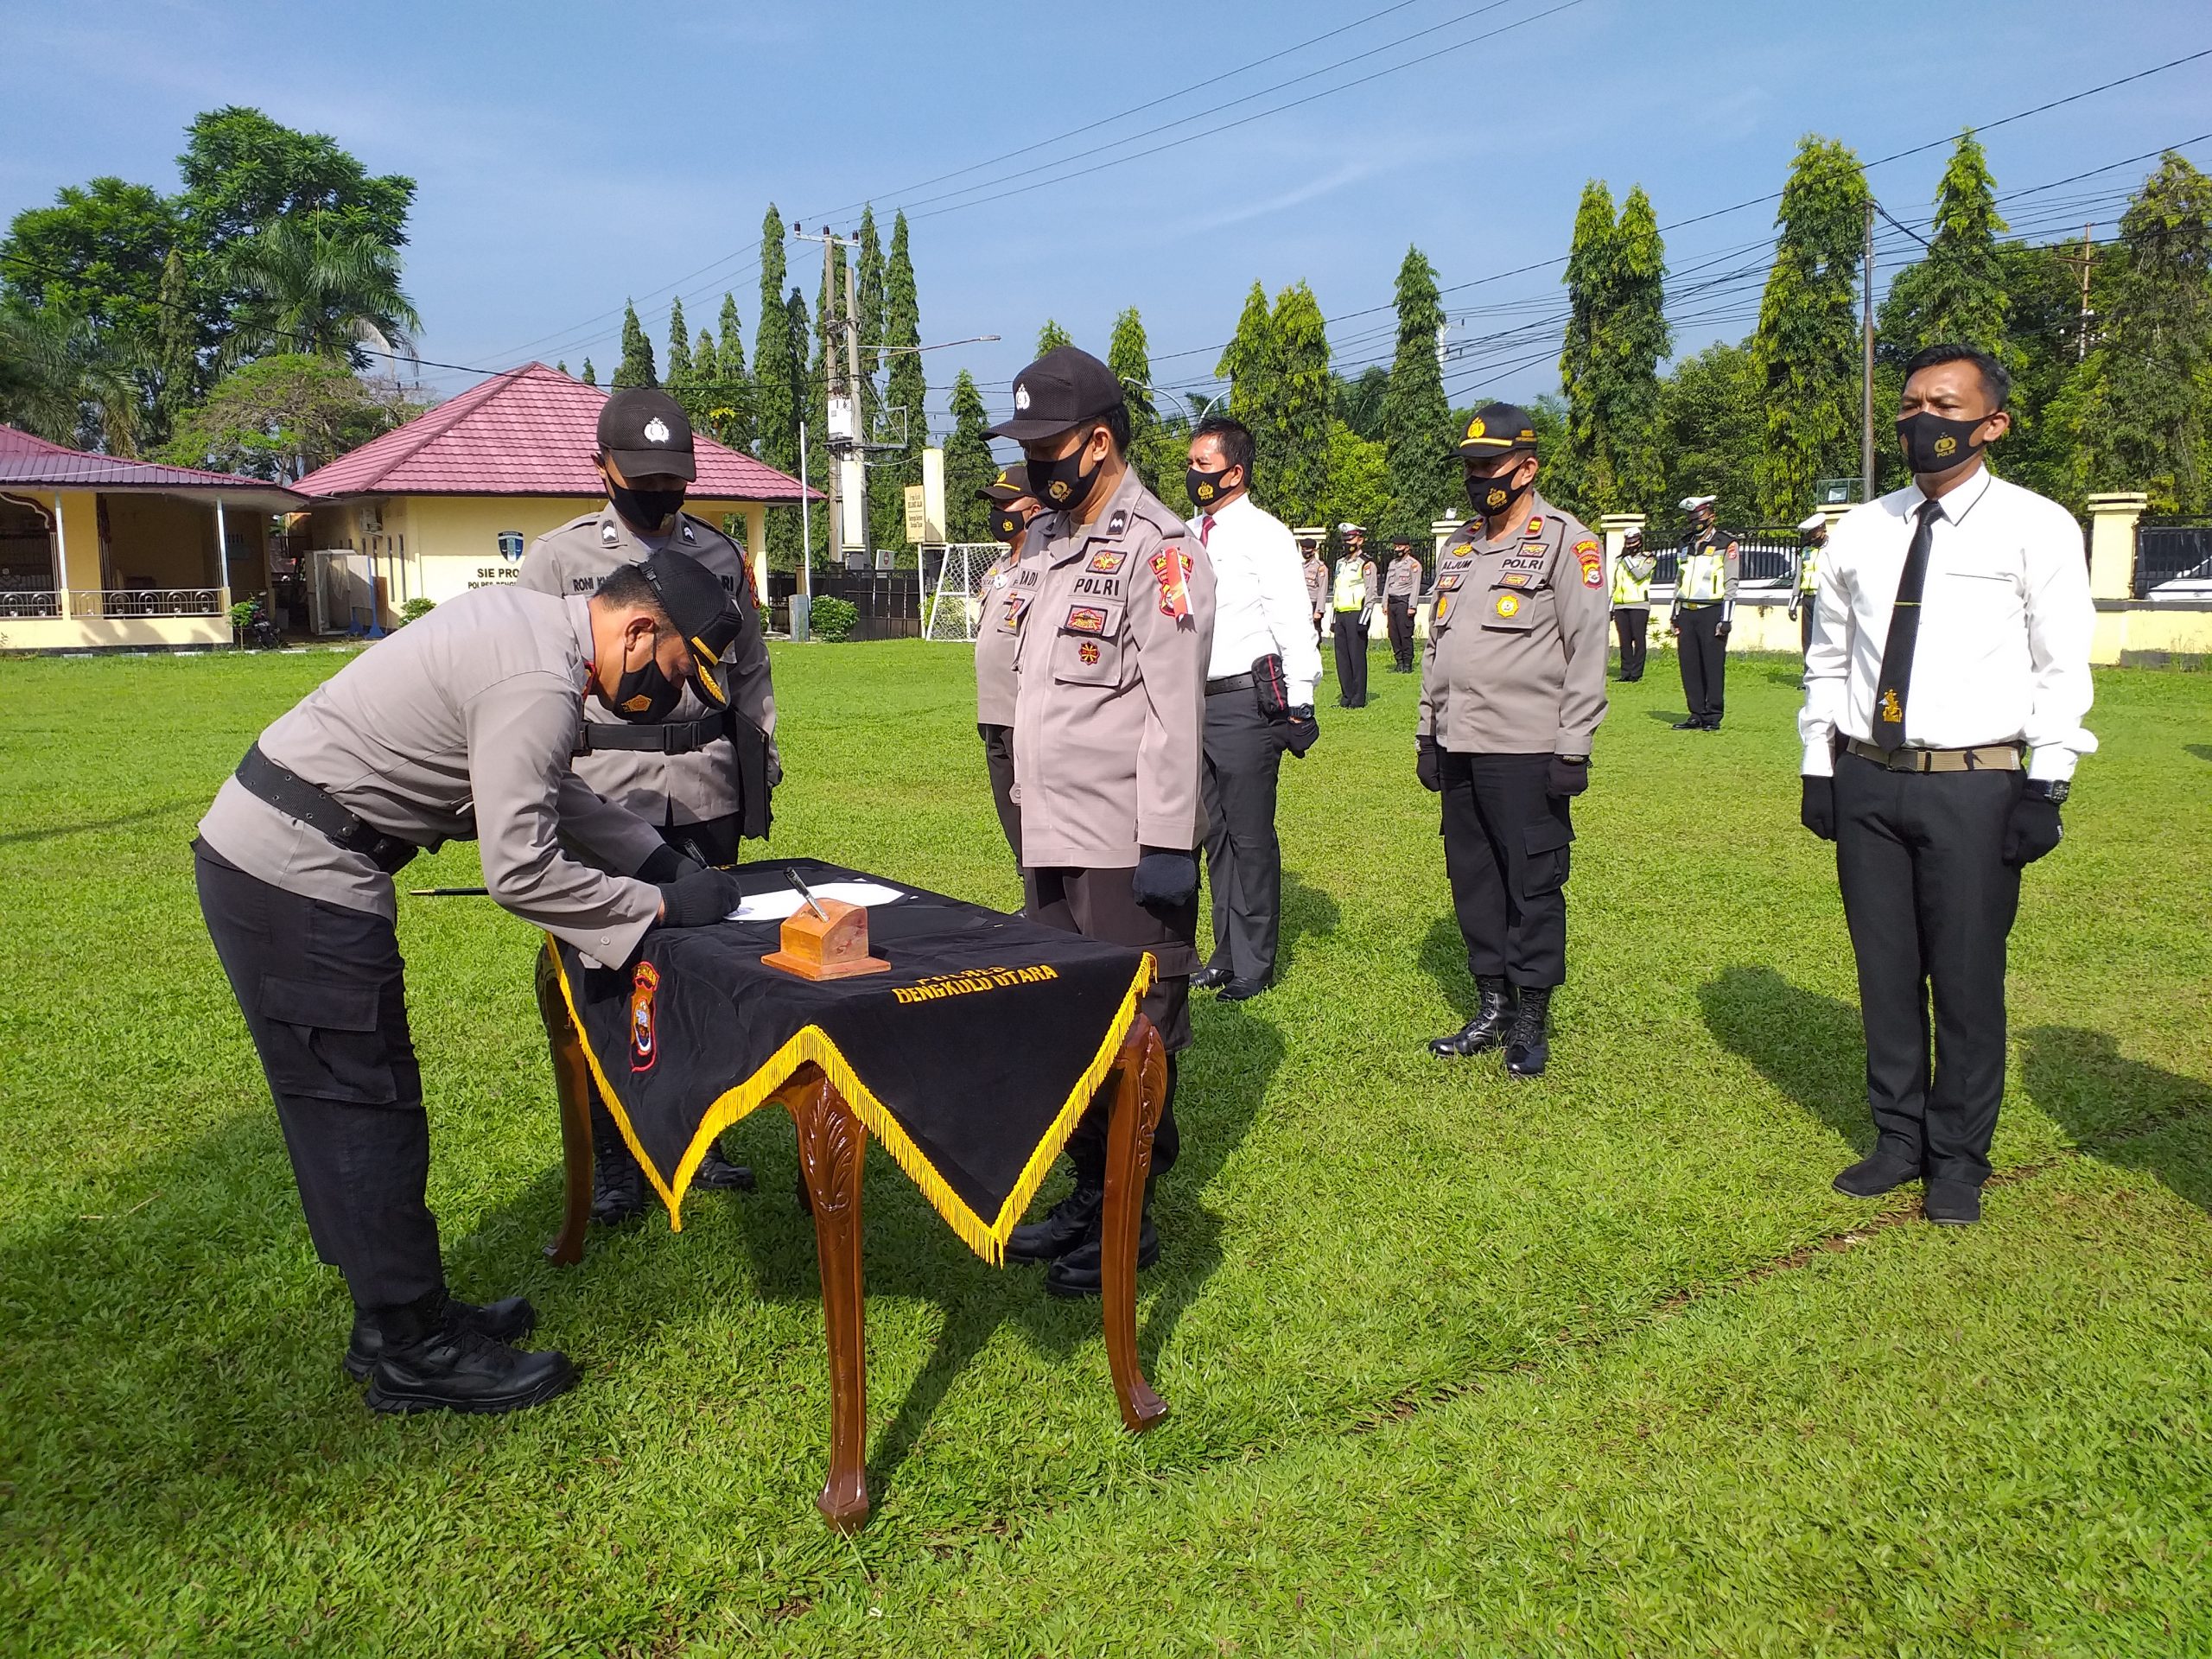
1497 430
1062 389
646 432
703 613
1011 485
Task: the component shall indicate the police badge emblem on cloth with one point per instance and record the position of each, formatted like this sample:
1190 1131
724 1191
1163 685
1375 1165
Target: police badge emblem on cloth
645 1043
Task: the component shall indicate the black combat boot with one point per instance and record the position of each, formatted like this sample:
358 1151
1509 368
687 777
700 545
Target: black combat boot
716 1174
617 1182
1065 1225
507 1321
1527 1046
1082 1271
1493 1013
430 1361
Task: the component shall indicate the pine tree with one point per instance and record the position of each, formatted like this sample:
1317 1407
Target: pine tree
1608 371
1807 346
1957 294
1581 472
1303 393
636 368
1253 366
591 378
775 400
968 463
1052 337
1642 339
562 367
1155 449
905 387
870 298
679 345
706 361
733 386
1416 420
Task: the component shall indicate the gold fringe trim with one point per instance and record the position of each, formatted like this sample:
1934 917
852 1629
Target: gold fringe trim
986 1238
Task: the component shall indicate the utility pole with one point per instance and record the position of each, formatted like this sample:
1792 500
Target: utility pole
840 363
1866 372
2088 253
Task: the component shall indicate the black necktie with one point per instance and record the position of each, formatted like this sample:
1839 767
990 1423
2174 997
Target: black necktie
1895 686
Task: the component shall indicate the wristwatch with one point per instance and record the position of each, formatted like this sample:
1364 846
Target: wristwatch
2054 791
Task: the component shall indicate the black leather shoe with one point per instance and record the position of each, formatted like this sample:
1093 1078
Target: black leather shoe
1493 1013
459 1369
509 1321
717 1175
1952 1203
1082 1271
1528 1045
1871 1177
1693 724
617 1182
1066 1224
1243 990
1710 726
1210 979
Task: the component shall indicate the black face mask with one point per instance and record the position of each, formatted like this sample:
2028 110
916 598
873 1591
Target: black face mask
646 511
1063 485
1007 524
644 694
1933 444
1492 496
1205 488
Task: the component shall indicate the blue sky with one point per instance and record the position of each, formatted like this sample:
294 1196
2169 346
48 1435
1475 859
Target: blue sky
570 154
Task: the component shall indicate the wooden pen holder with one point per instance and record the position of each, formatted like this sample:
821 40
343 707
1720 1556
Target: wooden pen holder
833 945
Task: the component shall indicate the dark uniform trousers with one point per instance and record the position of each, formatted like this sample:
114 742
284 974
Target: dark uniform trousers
998 755
1805 625
1401 631
1244 760
1351 660
324 993
1099 904
1634 630
1705 660
1506 842
1929 900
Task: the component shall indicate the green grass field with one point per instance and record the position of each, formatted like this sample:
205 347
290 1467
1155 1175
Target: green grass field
1594 1364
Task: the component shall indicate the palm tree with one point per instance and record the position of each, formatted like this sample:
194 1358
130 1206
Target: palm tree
58 377
326 293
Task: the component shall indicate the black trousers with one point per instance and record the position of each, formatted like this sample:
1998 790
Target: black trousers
1705 661
1506 844
998 756
1401 611
1244 760
324 993
1097 904
1805 625
1931 901
1634 628
1351 660
710 841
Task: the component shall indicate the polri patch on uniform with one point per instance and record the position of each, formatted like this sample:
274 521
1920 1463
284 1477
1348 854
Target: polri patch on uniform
1107 563
1592 563
1088 650
1170 567
1508 604
1086 618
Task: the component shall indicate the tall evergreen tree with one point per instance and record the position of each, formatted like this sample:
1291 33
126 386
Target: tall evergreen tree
1608 371
905 386
1303 393
1958 294
1130 355
775 400
636 368
1252 364
734 416
1807 346
679 345
1416 420
870 298
968 463
1582 474
1642 338
706 361
1052 337
591 375
562 367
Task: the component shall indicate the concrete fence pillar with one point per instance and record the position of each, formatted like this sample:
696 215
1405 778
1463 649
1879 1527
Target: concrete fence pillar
1440 530
2112 519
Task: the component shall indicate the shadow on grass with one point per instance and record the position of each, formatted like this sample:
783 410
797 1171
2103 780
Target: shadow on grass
1811 1047
2202 751
51 832
1306 912
2122 1111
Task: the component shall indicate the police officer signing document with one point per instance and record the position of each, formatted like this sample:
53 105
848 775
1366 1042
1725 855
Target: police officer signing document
1512 689
1108 733
1950 645
459 727
703 775
1008 586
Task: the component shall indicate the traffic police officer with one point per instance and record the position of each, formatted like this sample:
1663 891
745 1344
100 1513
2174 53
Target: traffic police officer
1353 592
1316 571
1705 606
1631 598
1108 742
1401 591
1008 586
459 726
1513 686
704 775
1814 527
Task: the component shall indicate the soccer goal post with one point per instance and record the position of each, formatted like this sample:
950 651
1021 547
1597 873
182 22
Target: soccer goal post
955 603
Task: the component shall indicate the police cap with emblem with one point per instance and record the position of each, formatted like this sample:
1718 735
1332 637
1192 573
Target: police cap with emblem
703 613
647 434
1062 389
1497 430
1010 485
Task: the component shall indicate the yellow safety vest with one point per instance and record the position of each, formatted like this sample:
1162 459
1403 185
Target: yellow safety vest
1808 571
1630 590
1351 585
1704 574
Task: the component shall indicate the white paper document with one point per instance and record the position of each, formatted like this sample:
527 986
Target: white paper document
774 906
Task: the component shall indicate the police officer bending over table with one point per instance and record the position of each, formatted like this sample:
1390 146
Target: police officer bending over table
1512 689
1008 586
1108 733
459 726
703 775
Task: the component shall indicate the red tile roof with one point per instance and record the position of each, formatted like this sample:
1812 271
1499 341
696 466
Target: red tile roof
26 461
531 431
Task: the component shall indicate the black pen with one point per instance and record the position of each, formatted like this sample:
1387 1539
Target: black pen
791 876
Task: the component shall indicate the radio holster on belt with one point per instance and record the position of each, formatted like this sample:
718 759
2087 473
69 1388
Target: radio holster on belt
296 797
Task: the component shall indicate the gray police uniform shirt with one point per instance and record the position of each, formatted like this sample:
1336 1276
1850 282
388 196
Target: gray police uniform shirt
1109 718
1317 583
702 785
1403 581
1516 660
459 727
1008 586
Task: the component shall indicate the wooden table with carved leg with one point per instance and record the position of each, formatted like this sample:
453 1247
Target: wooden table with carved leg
831 1144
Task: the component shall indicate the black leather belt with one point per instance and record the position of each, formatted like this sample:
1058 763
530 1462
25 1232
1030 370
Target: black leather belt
1228 683
296 797
669 737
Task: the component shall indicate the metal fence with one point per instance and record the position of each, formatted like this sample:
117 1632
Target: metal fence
114 602
2177 551
890 602
1769 555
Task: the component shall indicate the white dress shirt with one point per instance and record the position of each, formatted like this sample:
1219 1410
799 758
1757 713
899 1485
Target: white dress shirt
1259 597
2003 650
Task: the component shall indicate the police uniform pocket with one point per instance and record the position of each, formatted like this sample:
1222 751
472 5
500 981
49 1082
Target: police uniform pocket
327 1039
1088 650
1544 870
1507 610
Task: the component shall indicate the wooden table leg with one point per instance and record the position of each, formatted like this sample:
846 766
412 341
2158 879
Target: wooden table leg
1140 1094
572 1083
831 1145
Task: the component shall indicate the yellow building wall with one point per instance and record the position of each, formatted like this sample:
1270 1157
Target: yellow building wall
78 538
161 541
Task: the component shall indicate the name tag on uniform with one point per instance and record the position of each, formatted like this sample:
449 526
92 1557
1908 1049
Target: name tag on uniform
1086 618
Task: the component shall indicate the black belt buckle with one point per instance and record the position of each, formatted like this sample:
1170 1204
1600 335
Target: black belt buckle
679 737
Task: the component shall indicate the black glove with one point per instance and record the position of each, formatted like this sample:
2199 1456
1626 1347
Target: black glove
1721 631
1164 878
1817 810
1302 733
2033 831
1568 777
1428 765
699 897
665 865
